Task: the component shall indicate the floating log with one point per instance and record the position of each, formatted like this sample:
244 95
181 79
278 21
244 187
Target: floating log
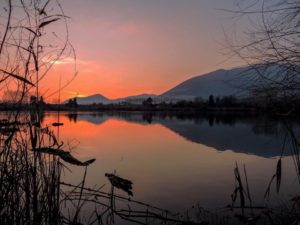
64 155
120 183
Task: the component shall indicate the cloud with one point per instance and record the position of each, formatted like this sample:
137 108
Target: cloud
68 60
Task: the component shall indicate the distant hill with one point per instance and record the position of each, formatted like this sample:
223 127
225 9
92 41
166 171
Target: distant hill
237 82
218 83
98 98
136 99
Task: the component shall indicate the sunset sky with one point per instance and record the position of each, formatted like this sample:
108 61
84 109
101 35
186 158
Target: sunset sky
129 47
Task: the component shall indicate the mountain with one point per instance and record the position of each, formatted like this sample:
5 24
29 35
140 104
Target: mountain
141 96
218 83
135 99
98 98
237 81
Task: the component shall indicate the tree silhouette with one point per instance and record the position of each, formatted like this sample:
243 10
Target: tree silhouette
148 102
271 46
211 101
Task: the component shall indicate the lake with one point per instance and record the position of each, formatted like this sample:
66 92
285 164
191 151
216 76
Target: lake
174 161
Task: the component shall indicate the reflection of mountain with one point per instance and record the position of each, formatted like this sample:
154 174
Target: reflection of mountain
99 118
260 137
94 118
239 137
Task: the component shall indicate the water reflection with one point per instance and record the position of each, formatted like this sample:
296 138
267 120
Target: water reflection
173 159
259 136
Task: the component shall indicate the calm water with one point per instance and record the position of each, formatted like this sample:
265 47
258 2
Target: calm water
177 161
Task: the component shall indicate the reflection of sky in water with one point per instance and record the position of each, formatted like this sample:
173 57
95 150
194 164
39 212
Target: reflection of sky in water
174 163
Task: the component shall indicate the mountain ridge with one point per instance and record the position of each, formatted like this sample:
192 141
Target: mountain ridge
219 83
238 82
99 98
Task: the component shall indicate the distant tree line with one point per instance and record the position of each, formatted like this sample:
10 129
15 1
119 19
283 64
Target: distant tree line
212 103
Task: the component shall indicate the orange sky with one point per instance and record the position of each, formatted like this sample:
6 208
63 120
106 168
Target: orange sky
129 47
